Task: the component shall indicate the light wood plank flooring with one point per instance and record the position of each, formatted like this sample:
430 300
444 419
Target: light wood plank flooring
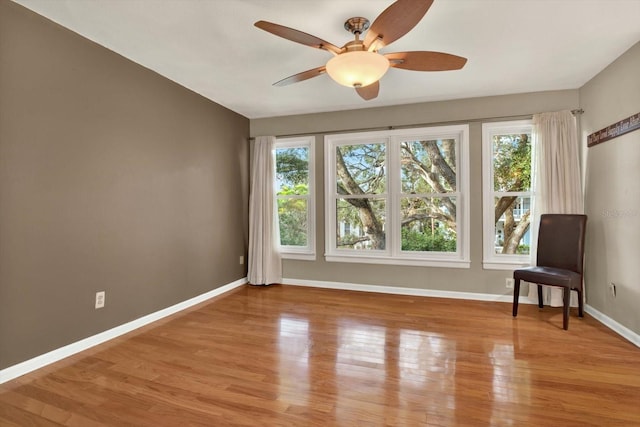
295 356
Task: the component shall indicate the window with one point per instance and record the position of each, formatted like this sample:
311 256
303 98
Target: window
507 188
398 197
295 196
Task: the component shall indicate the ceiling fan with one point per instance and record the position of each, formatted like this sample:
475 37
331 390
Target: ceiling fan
358 63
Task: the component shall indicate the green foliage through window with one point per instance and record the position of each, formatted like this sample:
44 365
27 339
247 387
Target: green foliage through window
509 148
292 193
428 178
437 241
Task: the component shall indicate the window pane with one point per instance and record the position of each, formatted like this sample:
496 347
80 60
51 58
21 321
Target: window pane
360 224
428 166
512 162
512 234
292 214
428 224
292 171
360 169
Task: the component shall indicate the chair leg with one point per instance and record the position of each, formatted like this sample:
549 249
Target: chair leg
580 304
540 303
565 311
516 295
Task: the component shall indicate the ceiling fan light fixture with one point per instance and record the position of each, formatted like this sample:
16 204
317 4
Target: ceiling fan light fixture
358 64
358 68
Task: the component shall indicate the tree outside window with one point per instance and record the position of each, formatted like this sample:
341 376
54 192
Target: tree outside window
428 201
507 177
294 196
360 182
395 195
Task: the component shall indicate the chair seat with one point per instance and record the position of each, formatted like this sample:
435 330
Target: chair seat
549 276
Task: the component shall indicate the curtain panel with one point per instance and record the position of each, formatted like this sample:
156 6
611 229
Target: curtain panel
557 182
264 261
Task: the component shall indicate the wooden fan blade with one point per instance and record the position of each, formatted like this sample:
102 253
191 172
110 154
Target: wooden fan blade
297 36
396 21
305 75
369 92
425 61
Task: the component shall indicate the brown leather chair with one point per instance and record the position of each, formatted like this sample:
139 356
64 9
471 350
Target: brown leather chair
560 258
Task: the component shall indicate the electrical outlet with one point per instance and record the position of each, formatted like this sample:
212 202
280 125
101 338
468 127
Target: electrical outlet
612 289
100 296
241 259
509 282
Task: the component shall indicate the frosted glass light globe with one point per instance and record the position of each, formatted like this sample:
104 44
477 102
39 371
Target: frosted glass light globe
357 69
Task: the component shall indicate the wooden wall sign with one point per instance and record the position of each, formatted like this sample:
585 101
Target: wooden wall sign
623 126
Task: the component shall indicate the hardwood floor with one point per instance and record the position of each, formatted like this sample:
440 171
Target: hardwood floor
295 356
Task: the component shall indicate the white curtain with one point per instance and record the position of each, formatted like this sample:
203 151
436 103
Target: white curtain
265 265
557 179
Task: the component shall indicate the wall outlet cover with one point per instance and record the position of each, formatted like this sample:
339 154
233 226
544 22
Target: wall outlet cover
100 297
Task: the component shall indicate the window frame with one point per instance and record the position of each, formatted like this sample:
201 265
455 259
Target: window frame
491 260
307 252
392 254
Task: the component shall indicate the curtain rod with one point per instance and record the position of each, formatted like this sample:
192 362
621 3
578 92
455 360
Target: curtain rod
575 112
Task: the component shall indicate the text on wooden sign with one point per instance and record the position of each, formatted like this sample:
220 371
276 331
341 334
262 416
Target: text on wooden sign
623 126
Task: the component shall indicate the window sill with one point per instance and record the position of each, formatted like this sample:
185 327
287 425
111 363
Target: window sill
298 256
496 265
447 263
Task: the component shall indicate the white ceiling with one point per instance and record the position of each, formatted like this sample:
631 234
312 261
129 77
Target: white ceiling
212 47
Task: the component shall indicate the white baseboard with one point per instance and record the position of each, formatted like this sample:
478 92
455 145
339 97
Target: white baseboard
613 325
605 320
43 360
406 291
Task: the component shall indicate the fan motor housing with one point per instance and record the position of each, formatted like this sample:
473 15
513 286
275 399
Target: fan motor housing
356 25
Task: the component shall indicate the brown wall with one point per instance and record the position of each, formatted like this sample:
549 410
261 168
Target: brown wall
111 178
612 198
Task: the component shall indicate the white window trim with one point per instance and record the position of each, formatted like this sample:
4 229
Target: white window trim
491 260
392 254
308 252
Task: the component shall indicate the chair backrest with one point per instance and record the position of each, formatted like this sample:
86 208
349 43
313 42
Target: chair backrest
561 241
